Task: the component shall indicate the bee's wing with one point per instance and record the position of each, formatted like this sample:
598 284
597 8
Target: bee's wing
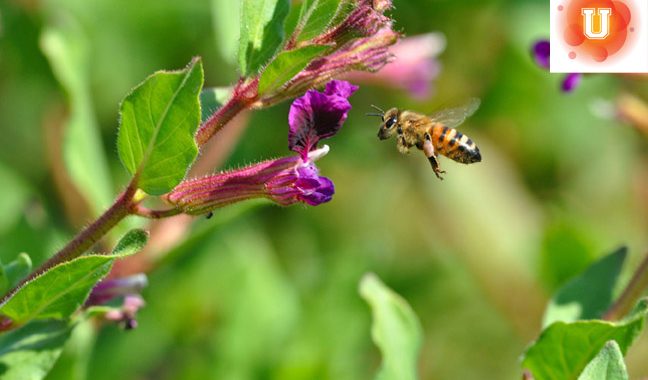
452 117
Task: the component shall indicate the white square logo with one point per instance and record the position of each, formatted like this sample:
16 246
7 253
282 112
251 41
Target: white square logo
599 36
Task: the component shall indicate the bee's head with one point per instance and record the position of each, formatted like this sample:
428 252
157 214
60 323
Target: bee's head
390 122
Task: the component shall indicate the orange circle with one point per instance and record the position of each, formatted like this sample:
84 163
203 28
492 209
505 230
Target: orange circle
597 49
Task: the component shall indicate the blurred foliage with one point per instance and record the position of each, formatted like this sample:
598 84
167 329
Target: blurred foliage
273 292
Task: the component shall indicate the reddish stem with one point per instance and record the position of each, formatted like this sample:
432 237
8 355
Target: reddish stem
243 96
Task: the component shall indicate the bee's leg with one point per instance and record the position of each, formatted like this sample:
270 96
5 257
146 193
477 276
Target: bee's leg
428 149
402 145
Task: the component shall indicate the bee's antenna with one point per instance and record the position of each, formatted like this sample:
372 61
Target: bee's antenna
374 114
378 109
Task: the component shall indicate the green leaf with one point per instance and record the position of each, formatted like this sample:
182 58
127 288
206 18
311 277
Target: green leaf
31 351
158 121
396 330
131 243
563 349
226 15
13 272
211 99
286 65
262 32
66 47
293 17
62 289
607 365
589 295
316 17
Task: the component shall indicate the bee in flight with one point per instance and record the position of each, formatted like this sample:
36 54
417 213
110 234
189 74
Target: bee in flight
435 134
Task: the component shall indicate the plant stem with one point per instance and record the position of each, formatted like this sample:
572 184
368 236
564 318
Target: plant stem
243 95
86 238
154 214
631 293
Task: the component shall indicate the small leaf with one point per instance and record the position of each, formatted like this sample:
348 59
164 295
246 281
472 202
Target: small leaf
67 48
131 243
62 289
211 99
286 65
589 295
607 365
262 32
16 270
396 330
31 351
316 16
563 349
158 121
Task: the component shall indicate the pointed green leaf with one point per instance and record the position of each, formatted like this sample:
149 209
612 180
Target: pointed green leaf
66 47
131 243
563 349
213 98
316 16
607 365
31 351
286 65
396 330
158 121
62 289
589 295
262 32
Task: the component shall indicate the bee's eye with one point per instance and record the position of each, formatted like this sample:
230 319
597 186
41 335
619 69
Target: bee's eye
390 122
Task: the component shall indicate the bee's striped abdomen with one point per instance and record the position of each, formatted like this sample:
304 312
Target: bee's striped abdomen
455 145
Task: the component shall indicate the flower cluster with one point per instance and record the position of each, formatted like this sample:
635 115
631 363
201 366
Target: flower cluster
355 41
540 51
286 180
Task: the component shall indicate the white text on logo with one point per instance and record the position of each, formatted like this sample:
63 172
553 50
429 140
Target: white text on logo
604 22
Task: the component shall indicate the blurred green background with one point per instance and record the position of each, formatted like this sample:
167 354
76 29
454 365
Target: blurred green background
271 293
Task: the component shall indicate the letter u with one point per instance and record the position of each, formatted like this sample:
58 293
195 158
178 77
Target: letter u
604 23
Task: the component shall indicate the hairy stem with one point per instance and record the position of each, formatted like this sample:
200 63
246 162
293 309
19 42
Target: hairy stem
86 238
631 293
243 96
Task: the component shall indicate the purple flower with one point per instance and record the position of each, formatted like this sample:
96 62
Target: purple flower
286 180
571 81
318 115
126 287
540 51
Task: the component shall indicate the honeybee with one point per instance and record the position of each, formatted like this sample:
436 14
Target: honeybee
435 134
